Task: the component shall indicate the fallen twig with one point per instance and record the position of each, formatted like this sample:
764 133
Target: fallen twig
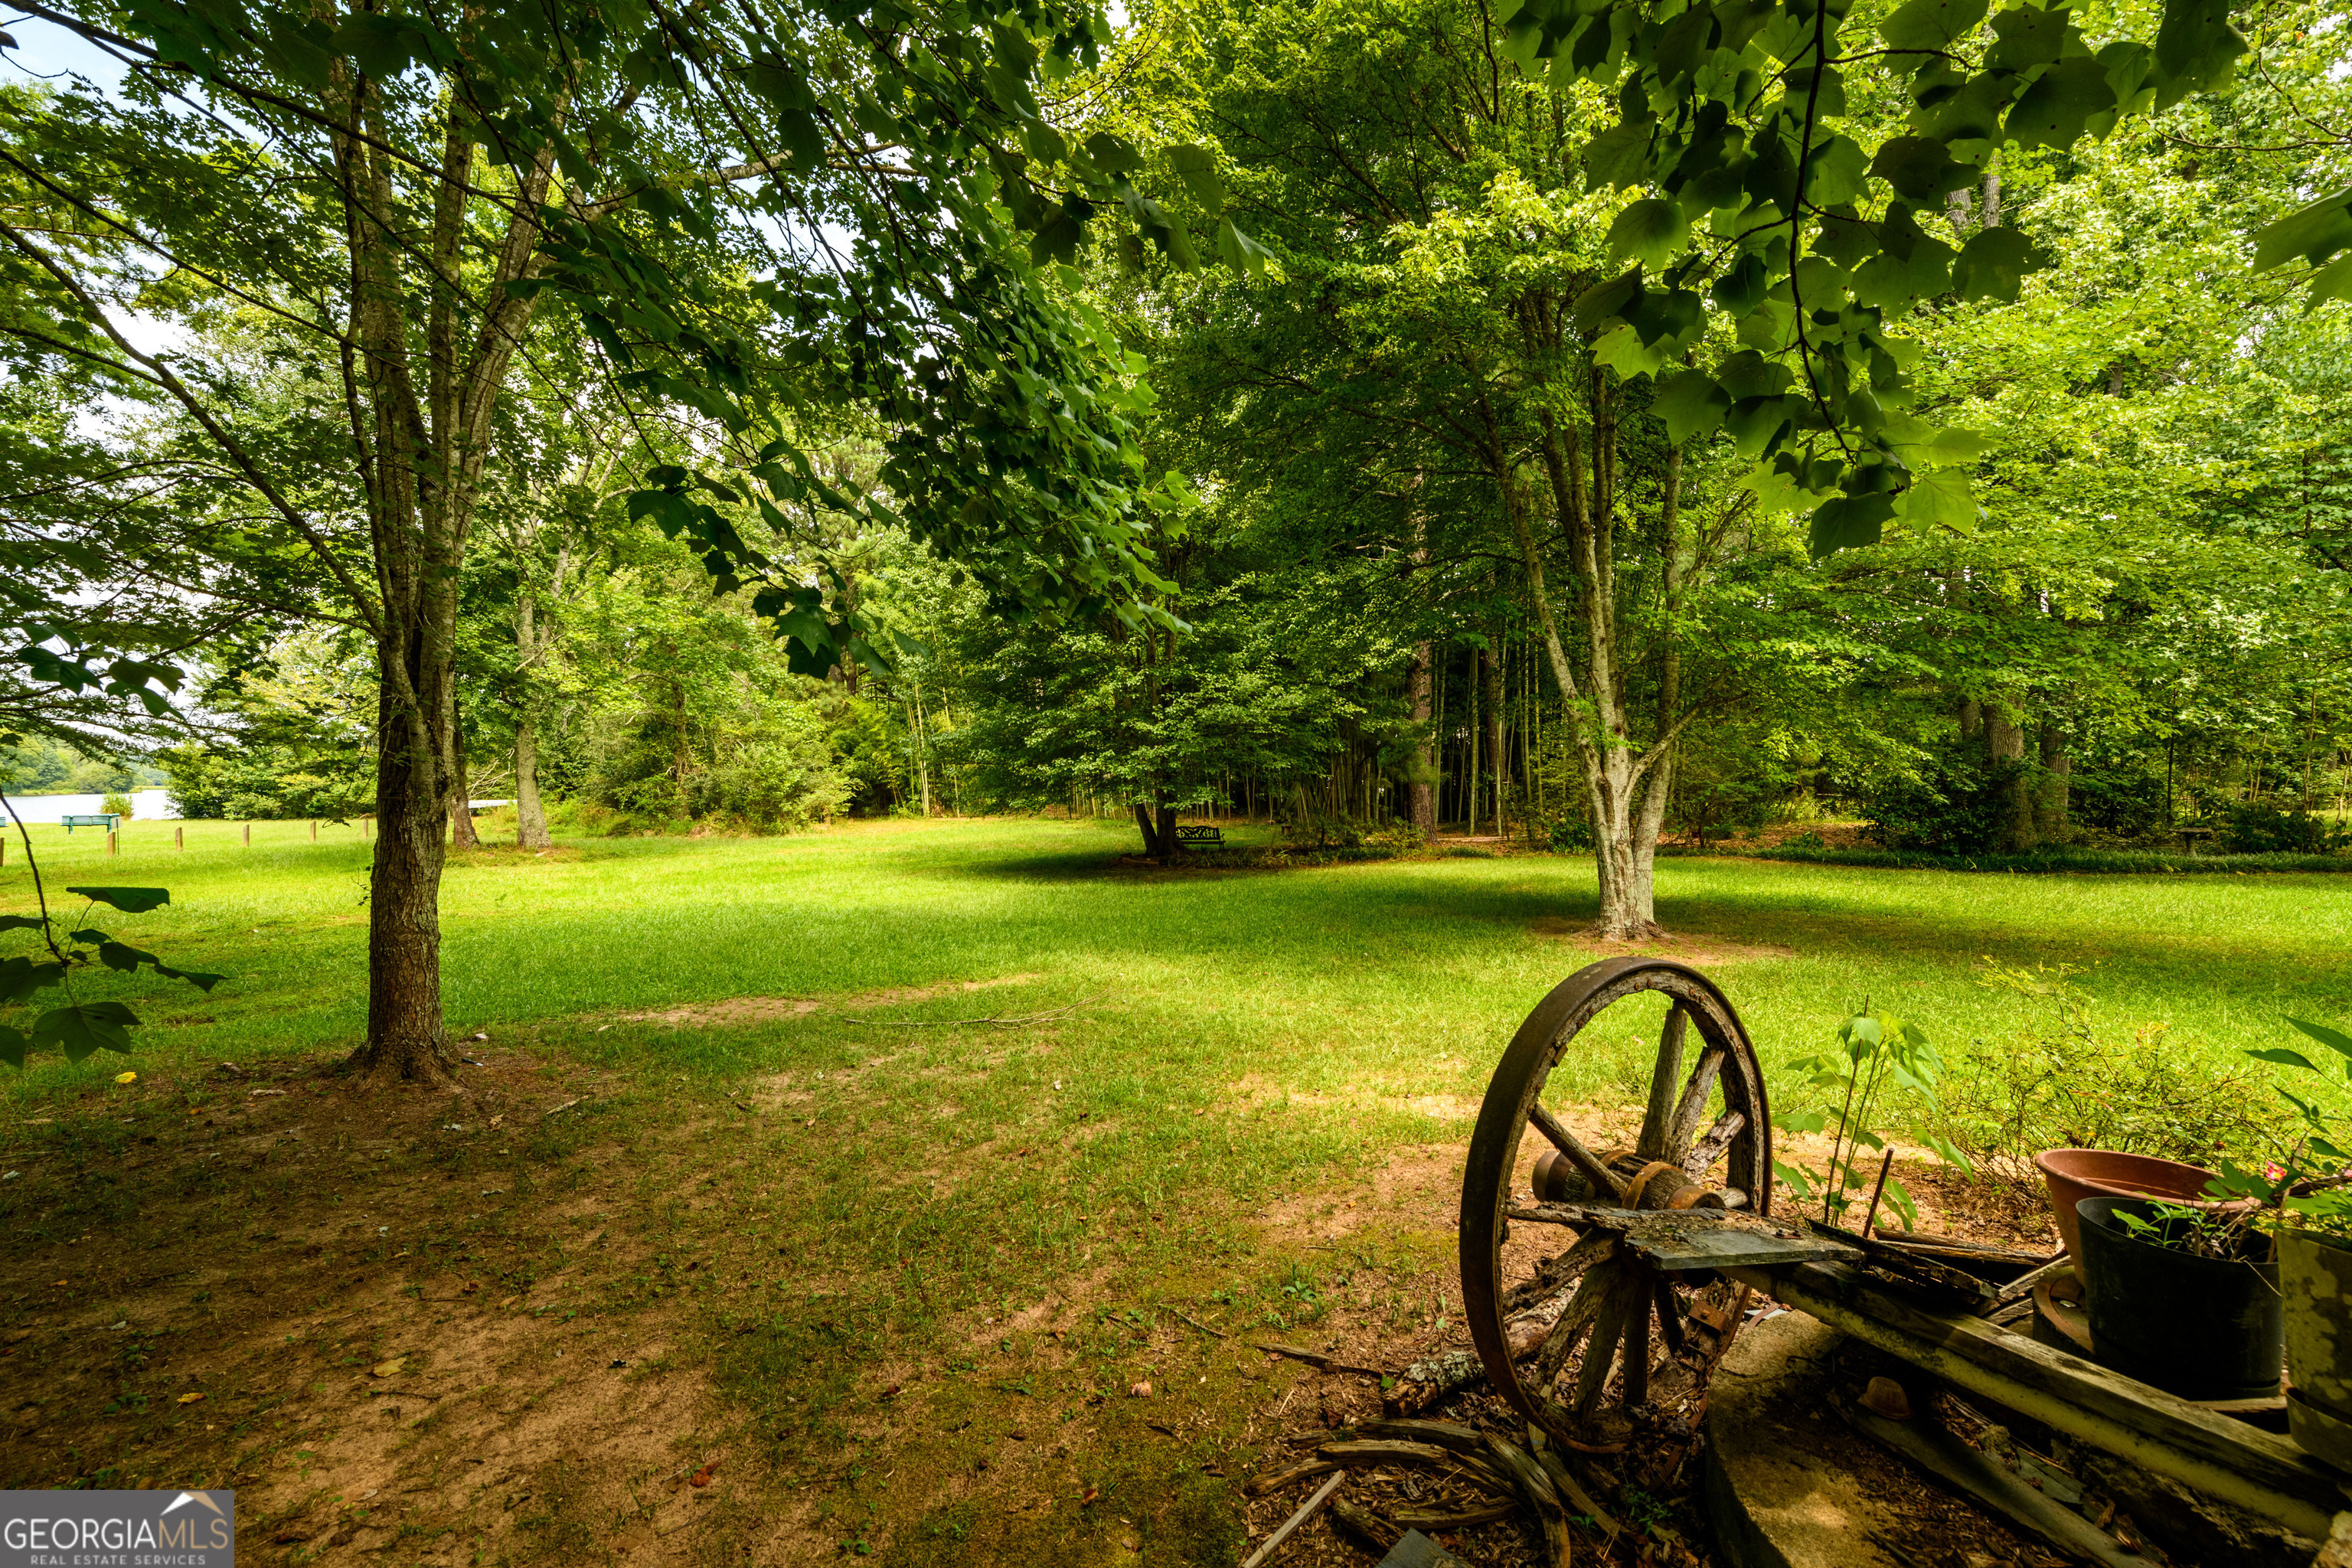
560 1109
1289 1475
1186 1317
1320 1361
1305 1511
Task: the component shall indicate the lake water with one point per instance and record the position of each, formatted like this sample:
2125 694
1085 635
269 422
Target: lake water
146 806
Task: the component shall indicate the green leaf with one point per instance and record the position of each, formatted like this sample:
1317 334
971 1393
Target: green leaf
2333 281
1617 157
1800 1180
202 980
20 977
1837 172
1690 403
1603 300
1993 265
1939 500
82 1027
1755 423
2195 48
2028 37
1650 231
1197 167
2313 233
1242 253
1930 24
21 922
1624 351
120 956
2284 1057
130 900
1900 1196
2055 109
1114 155
11 1047
1847 522
1920 168
2334 1040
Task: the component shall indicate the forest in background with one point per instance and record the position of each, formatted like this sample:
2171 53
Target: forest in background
2143 628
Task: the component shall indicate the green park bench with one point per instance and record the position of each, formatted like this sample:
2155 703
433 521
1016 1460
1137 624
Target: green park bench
1200 835
111 821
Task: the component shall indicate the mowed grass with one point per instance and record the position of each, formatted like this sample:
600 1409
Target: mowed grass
1330 973
923 1256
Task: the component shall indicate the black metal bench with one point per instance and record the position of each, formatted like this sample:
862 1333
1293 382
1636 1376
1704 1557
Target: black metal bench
1200 835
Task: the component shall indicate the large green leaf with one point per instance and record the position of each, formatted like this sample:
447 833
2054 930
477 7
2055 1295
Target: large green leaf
1847 522
2196 48
130 900
1993 265
2313 232
1197 167
21 922
2058 106
13 1045
1690 403
79 1028
1938 498
1920 168
1934 24
21 977
2028 36
1650 231
2334 1039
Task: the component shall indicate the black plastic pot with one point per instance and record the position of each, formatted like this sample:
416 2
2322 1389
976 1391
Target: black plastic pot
2202 1328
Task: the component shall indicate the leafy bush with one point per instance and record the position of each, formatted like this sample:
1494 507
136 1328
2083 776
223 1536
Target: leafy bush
119 804
2065 1083
2117 862
1951 806
2257 828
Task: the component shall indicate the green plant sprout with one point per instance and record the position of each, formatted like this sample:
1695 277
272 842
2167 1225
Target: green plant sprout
1875 1048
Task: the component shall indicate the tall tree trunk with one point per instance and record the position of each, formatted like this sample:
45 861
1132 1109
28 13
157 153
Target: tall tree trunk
1491 668
1158 823
462 832
530 813
1425 761
2050 795
1473 780
1972 721
2005 748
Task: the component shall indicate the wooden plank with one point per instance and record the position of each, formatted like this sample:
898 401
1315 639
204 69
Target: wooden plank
1709 1149
1677 1239
1693 1104
2210 1453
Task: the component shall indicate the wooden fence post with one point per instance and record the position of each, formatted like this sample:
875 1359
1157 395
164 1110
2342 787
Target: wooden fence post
248 836
110 841
179 841
314 832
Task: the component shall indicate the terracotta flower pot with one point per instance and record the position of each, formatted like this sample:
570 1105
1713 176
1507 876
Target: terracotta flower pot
2073 1174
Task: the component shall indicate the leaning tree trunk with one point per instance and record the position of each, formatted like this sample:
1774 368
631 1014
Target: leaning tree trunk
2051 803
1158 822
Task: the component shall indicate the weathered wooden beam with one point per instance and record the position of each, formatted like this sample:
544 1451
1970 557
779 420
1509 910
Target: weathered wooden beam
2266 1474
1679 1239
1665 1086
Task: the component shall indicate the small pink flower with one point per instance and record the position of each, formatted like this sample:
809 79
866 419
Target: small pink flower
2274 1170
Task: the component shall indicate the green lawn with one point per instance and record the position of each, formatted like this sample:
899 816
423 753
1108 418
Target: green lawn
1413 973
811 1209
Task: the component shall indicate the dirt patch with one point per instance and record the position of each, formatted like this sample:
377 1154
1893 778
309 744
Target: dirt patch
1691 947
737 1010
380 1316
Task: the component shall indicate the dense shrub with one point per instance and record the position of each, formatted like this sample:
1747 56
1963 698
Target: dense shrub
1951 805
2257 828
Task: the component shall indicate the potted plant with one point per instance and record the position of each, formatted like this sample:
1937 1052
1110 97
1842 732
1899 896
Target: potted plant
2306 1199
2185 1297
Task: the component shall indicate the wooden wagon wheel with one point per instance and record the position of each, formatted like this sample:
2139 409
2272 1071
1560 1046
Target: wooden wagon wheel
1685 1157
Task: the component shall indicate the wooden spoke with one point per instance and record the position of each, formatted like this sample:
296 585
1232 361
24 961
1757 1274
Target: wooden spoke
1601 1351
1709 1149
1581 1308
1693 1104
1636 1355
1670 1317
1604 1180
1658 1121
